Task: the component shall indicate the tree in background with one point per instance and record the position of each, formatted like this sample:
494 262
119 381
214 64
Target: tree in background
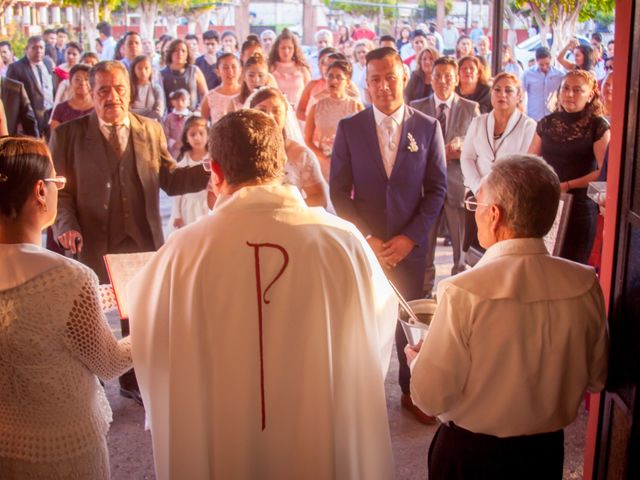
559 17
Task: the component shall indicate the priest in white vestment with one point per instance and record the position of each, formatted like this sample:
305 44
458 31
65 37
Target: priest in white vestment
262 333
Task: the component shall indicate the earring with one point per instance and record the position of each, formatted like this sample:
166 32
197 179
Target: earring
44 207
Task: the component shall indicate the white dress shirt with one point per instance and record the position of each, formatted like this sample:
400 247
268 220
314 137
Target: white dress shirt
513 356
123 131
447 111
389 129
480 150
45 82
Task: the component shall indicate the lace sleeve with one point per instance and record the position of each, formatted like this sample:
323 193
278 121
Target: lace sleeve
309 169
107 297
600 126
90 339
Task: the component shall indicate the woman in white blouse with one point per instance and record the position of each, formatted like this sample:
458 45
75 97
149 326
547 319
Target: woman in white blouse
54 339
503 131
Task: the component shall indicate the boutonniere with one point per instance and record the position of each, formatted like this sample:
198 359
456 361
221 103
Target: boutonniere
413 146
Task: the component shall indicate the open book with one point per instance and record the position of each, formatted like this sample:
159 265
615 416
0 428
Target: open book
121 268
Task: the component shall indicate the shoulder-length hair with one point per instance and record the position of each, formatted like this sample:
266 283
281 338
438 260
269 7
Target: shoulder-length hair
483 78
172 48
594 107
190 122
298 55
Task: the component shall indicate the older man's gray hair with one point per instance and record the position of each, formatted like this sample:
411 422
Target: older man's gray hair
527 190
326 35
107 66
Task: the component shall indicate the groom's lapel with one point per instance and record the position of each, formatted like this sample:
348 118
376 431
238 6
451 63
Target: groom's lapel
403 143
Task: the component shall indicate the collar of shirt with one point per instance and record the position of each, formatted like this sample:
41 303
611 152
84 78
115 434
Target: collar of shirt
186 112
448 102
397 116
105 126
512 246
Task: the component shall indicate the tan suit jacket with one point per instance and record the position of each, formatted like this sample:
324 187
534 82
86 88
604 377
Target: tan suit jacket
80 153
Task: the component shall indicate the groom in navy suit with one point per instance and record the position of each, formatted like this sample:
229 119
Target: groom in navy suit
388 176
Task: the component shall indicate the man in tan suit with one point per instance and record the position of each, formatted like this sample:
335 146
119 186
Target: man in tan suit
115 163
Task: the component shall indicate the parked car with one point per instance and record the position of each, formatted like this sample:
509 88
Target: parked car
526 50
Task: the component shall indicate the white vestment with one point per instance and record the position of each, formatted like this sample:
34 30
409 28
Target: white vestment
327 328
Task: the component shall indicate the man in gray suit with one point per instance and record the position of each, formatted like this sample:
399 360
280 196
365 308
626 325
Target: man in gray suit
454 114
115 163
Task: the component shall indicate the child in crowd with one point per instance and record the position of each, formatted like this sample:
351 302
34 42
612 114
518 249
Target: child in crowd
217 102
190 207
147 98
175 122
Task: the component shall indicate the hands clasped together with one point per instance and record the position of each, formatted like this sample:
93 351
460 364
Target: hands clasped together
392 252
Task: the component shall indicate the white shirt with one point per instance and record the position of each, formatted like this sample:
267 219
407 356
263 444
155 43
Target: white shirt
196 342
123 131
108 49
44 81
449 38
389 141
480 150
513 356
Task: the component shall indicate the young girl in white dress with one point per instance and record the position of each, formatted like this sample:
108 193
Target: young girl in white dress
190 207
218 102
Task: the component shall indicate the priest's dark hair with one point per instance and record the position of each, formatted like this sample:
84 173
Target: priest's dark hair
248 146
23 161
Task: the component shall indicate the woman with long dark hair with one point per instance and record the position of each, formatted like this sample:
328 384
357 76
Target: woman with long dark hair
289 67
582 54
419 84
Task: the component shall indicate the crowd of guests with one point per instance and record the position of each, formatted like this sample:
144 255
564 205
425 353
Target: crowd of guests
135 117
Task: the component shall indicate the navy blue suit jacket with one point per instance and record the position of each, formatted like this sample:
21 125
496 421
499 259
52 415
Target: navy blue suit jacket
408 202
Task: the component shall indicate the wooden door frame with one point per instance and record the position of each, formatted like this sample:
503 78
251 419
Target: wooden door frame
623 127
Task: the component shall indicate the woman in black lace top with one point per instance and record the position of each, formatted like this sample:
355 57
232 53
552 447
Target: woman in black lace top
573 140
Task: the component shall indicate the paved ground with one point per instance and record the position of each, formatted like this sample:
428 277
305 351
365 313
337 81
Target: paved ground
130 444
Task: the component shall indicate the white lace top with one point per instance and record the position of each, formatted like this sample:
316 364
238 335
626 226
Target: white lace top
53 339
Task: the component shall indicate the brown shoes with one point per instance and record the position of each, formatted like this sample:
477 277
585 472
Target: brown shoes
422 417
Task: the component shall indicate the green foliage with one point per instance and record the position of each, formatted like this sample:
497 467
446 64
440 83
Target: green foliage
18 39
429 8
588 8
594 8
388 7
605 19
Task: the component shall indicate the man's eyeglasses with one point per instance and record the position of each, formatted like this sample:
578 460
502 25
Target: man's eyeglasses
58 181
472 205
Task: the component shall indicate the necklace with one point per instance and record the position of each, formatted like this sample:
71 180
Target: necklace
502 136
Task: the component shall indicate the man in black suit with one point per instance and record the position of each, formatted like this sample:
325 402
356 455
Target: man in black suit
17 108
35 72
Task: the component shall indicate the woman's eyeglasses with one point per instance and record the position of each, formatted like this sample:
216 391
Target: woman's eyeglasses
59 181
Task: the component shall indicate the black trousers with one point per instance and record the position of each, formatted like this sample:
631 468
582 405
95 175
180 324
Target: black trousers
456 453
